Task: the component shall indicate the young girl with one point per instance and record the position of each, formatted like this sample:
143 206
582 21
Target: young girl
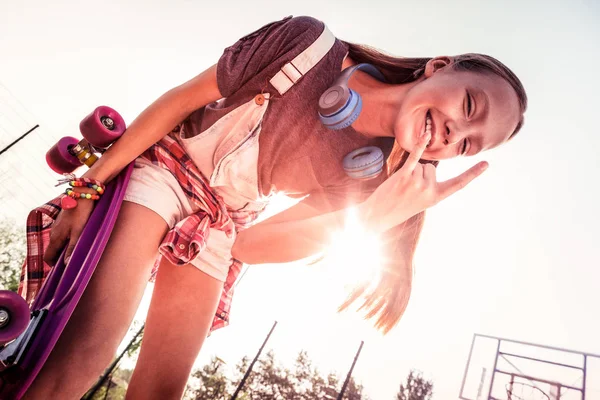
265 119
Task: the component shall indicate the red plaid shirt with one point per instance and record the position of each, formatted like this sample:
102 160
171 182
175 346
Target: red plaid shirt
180 245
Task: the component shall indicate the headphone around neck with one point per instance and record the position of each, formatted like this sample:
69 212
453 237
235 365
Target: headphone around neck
339 107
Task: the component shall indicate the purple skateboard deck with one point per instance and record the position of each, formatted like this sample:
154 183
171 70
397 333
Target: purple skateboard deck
59 295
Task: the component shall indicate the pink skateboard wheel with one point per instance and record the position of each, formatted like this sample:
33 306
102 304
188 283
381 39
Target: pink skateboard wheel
102 127
60 159
14 316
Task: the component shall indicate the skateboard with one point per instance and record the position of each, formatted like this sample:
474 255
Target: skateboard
28 333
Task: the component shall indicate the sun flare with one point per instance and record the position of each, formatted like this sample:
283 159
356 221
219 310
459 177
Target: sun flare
355 255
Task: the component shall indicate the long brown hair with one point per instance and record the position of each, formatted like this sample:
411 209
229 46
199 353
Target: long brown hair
387 300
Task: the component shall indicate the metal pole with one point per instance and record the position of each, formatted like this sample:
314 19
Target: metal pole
112 366
341 395
241 384
108 387
16 141
494 370
462 386
584 377
539 345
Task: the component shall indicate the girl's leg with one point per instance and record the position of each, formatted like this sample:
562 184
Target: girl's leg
183 305
106 309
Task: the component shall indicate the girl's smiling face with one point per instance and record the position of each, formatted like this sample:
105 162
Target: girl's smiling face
468 111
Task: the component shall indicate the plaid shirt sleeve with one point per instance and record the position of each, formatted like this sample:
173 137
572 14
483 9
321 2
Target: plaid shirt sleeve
35 270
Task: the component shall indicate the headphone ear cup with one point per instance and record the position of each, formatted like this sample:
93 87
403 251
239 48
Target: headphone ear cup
364 163
343 116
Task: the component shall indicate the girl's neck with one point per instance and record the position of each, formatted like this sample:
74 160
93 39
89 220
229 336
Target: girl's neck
381 102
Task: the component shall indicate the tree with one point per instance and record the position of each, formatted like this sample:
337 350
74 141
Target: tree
211 383
13 249
269 381
416 388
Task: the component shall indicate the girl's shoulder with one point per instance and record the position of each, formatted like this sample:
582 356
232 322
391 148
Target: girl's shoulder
264 51
288 25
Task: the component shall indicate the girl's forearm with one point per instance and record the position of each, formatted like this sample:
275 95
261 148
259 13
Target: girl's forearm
154 123
294 240
148 128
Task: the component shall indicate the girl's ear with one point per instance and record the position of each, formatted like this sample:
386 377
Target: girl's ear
436 64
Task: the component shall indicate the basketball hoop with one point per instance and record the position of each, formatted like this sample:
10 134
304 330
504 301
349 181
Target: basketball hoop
524 391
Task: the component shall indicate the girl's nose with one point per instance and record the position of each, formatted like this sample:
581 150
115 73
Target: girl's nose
452 136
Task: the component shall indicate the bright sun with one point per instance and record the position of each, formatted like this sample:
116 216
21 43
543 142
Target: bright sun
355 255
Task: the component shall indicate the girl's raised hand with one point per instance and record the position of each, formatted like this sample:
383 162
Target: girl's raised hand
412 189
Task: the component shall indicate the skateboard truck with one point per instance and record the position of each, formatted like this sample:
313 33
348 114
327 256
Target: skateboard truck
12 352
84 151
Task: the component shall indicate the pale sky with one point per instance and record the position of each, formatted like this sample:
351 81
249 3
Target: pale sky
514 255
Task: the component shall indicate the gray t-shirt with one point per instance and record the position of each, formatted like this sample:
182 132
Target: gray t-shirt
297 154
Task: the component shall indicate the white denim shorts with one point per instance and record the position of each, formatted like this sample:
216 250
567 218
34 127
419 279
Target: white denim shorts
157 189
227 152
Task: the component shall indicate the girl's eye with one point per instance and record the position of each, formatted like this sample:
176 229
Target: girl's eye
469 105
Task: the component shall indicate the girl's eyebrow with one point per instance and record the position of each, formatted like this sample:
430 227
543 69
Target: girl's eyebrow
482 102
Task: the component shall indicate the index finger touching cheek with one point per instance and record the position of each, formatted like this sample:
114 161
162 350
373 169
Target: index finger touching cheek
416 154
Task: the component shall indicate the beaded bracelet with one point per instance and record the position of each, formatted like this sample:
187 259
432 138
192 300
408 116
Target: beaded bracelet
69 201
90 183
77 195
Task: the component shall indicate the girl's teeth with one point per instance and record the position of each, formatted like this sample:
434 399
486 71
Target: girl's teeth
428 125
428 128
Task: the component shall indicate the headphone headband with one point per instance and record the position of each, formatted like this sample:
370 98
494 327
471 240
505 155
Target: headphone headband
339 106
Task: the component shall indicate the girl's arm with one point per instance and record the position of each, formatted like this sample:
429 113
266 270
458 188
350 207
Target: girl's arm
152 125
299 232
155 122
296 233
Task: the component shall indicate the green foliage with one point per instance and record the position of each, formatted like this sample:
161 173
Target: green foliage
416 388
138 328
269 381
209 382
116 389
13 249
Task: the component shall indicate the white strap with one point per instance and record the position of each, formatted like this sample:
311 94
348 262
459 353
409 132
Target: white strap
294 70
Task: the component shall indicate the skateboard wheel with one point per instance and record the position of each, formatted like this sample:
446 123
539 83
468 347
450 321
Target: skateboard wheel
14 316
60 159
102 127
